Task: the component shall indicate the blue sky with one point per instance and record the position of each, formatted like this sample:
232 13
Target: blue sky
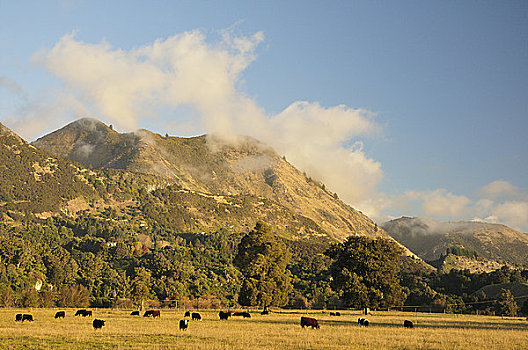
424 104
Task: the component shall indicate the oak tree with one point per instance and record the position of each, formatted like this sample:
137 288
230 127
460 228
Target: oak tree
262 260
365 271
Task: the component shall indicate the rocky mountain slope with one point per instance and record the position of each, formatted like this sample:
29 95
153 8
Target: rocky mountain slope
208 165
430 239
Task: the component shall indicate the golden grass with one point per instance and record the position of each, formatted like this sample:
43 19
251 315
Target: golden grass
275 331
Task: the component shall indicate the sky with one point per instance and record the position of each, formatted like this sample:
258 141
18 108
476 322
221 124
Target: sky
407 108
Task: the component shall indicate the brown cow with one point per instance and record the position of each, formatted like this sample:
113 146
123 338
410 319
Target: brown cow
309 322
152 313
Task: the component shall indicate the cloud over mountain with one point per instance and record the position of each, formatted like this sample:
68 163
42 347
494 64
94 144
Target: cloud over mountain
185 72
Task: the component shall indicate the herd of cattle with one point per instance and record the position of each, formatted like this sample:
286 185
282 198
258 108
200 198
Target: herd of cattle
195 316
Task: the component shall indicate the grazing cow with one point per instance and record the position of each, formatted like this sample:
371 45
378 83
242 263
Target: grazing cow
60 314
332 314
408 324
81 312
196 316
18 317
187 314
224 315
27 317
184 324
309 322
265 312
152 313
98 324
363 322
337 313
246 315
134 313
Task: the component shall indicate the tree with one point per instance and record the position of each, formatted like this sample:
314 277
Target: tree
74 296
262 261
505 304
140 289
365 271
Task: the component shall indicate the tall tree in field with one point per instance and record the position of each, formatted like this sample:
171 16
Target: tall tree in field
365 271
262 261
505 304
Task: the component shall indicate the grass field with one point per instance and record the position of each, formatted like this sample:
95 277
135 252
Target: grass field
274 331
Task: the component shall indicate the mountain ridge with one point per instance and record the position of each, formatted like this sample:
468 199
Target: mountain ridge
430 239
208 164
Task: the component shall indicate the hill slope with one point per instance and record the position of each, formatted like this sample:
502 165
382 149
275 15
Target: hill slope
429 239
208 165
34 180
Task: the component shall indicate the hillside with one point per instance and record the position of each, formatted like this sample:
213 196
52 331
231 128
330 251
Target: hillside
431 239
206 164
34 180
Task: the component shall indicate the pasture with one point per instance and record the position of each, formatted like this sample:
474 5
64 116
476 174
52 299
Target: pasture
274 331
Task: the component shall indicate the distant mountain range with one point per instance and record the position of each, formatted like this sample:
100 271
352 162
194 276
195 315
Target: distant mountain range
432 240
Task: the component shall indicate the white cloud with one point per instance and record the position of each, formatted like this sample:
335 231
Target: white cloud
438 203
499 188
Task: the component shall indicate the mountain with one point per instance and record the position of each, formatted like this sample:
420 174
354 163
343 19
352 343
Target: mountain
431 240
212 167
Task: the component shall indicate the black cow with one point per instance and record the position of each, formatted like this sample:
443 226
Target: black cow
309 322
98 324
18 317
27 317
265 312
187 314
196 316
134 313
332 314
83 313
152 313
363 322
246 315
184 324
337 313
408 324
60 314
224 315
80 312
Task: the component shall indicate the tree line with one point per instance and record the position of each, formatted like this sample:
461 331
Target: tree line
111 261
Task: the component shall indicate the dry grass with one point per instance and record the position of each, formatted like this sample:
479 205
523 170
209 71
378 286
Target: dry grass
275 331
